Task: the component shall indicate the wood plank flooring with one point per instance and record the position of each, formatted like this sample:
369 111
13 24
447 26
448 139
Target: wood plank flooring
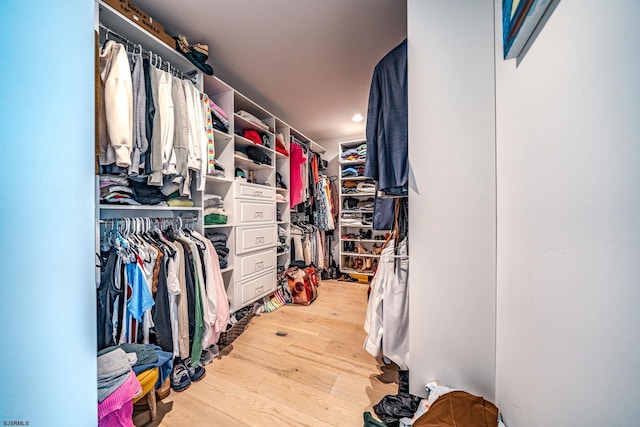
316 375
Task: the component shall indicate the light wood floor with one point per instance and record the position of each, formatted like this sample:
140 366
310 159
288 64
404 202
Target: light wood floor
316 375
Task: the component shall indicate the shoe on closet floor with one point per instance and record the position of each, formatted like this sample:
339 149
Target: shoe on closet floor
180 380
196 373
207 356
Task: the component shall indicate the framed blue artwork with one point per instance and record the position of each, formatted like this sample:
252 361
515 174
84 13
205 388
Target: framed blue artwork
519 19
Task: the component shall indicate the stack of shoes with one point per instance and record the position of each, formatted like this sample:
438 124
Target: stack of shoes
364 235
184 374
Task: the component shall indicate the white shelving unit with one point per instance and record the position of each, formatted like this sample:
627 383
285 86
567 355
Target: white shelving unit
357 238
118 25
252 225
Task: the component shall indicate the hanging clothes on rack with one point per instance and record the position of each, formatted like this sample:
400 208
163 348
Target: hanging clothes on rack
152 121
161 286
140 143
323 217
308 245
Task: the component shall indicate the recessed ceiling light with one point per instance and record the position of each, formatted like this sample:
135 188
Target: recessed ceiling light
357 118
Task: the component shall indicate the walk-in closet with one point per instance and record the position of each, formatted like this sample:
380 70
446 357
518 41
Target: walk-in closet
215 216
338 213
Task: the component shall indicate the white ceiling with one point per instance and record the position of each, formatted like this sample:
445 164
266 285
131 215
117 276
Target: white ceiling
308 62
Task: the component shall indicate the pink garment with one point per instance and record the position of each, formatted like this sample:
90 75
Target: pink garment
298 160
117 409
218 109
222 314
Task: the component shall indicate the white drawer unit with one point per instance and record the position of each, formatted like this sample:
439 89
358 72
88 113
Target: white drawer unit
251 212
244 190
256 288
255 263
251 238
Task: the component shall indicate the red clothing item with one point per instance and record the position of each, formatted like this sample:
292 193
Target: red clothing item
314 168
298 159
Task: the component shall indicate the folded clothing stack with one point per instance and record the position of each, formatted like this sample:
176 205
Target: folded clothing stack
219 241
351 171
253 119
214 212
350 155
282 237
218 168
351 218
366 187
350 203
115 189
362 151
280 147
366 204
176 200
219 117
258 156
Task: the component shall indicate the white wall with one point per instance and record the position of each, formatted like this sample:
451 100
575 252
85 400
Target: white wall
452 201
48 315
568 194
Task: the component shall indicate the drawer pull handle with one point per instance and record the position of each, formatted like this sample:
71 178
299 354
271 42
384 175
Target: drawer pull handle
259 240
259 265
258 214
259 290
257 193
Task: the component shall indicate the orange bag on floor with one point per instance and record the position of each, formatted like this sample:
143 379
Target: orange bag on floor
301 287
